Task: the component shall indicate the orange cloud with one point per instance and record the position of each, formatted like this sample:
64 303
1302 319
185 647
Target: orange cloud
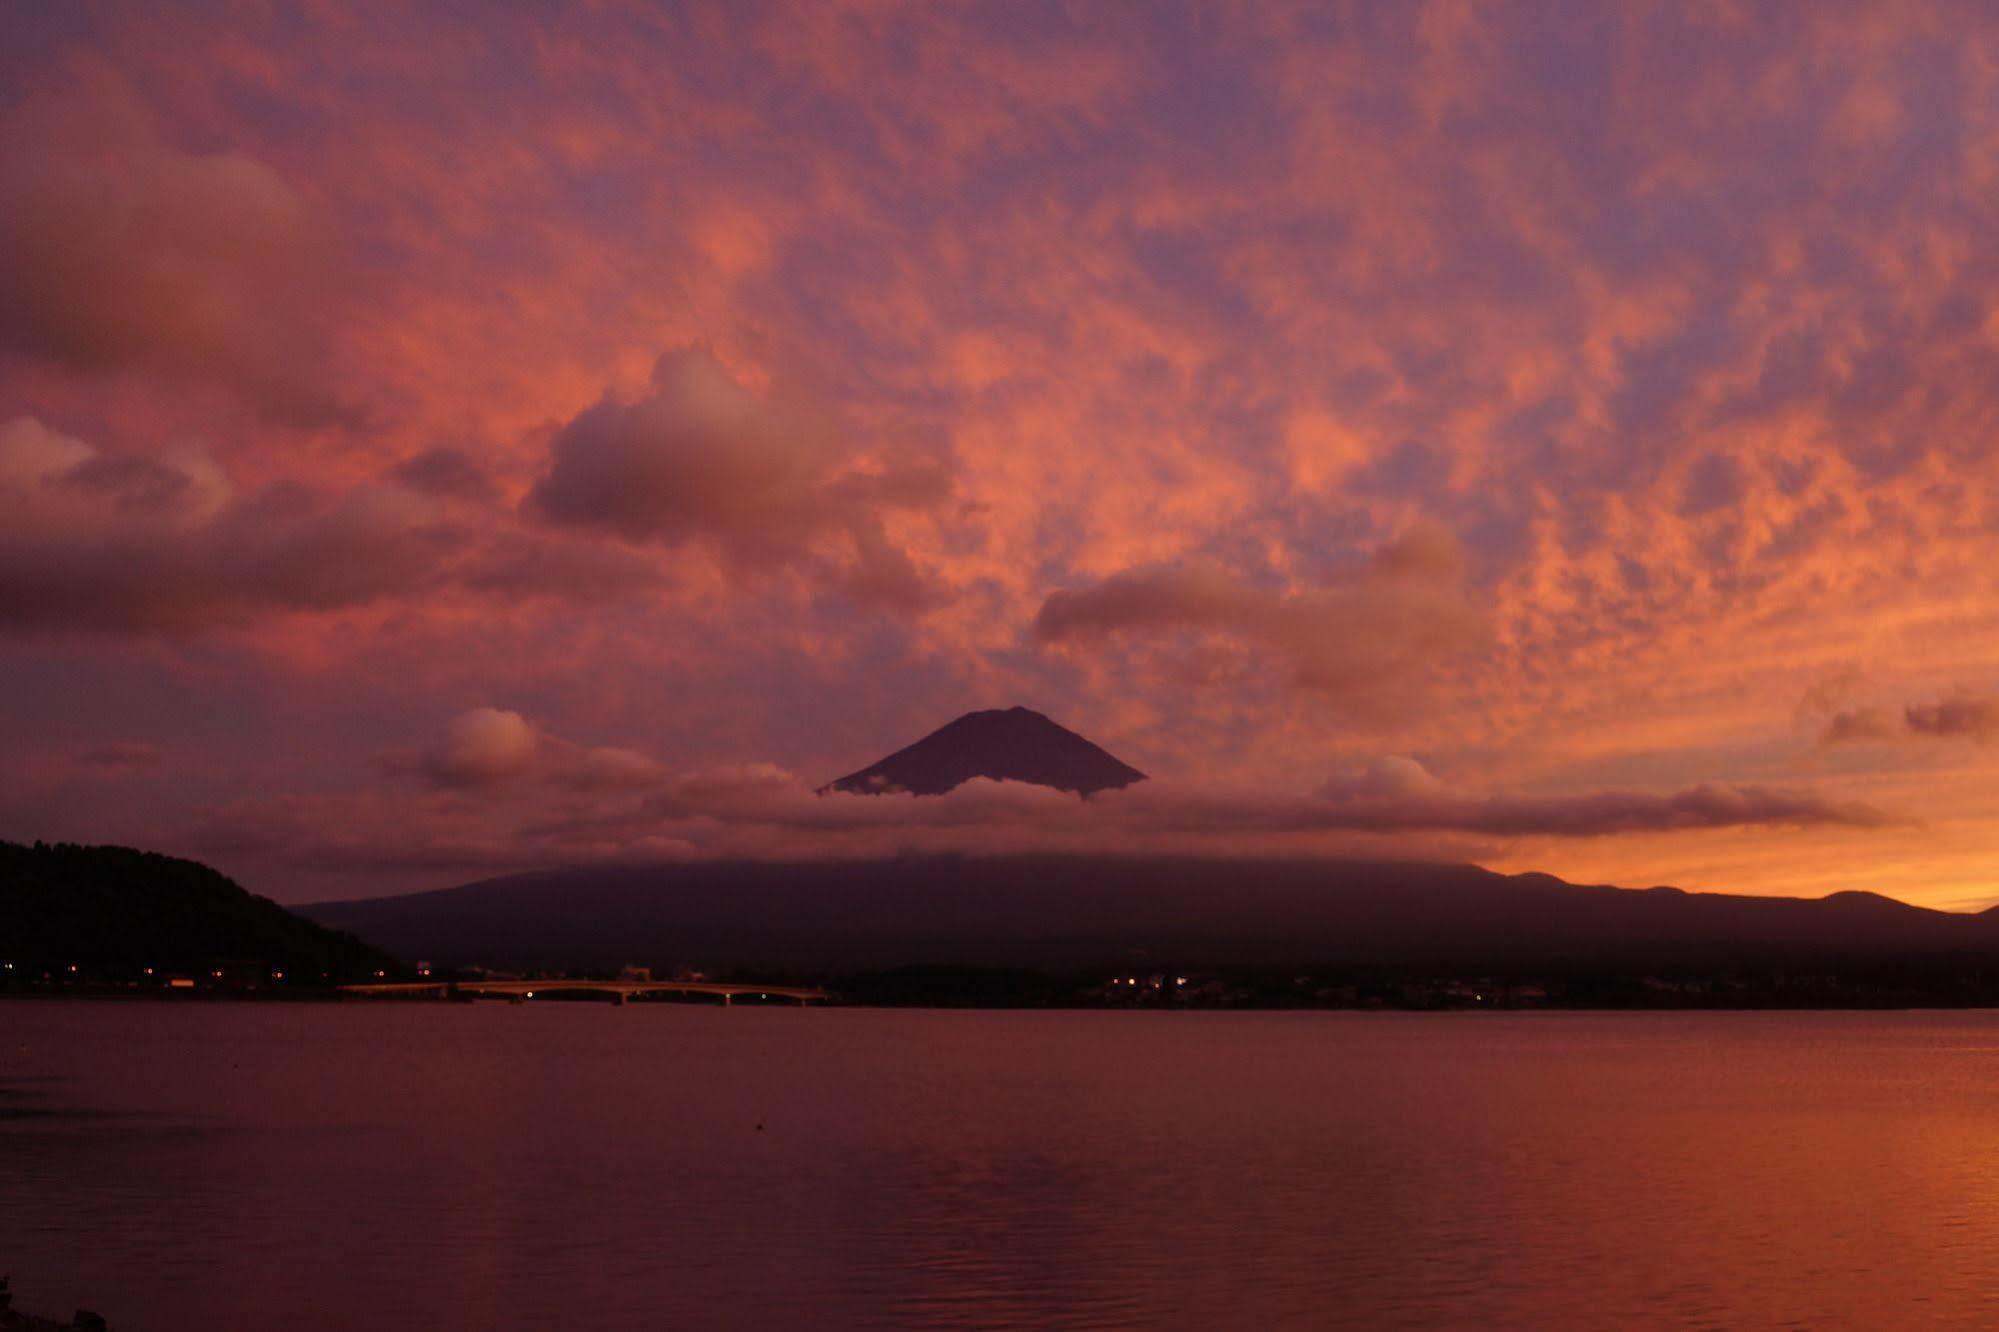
1387 621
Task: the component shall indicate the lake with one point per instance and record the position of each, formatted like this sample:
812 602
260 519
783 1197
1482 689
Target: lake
221 1166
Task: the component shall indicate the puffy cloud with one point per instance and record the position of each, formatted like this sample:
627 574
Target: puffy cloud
487 748
119 251
763 483
1404 611
483 747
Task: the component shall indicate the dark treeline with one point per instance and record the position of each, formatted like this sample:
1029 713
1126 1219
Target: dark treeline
111 913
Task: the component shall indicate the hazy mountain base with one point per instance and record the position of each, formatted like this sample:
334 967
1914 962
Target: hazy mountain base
1085 915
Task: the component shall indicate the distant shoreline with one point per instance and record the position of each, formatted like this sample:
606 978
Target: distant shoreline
946 1004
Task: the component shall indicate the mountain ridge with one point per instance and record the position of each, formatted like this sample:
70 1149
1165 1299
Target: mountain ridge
1081 910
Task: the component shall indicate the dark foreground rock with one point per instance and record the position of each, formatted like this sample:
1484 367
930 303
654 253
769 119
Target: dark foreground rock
12 1320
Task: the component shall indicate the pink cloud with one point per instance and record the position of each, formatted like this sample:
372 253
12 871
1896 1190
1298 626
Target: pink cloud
483 747
1396 616
117 250
129 543
764 483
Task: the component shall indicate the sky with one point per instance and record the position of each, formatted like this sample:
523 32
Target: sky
456 440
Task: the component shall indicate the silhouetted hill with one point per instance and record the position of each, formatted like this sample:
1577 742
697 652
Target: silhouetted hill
1048 911
1015 745
108 907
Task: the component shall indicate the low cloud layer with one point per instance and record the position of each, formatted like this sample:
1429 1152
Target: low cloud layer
504 794
1398 793
1405 611
762 483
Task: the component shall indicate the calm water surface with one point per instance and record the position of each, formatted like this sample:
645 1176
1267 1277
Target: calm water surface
221 1166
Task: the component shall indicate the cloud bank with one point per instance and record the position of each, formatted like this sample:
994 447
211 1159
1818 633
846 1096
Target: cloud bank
504 794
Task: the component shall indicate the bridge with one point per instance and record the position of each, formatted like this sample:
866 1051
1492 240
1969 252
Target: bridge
620 990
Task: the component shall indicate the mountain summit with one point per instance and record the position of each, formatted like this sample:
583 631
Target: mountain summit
1014 745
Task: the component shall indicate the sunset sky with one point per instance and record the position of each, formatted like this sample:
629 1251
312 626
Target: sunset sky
443 440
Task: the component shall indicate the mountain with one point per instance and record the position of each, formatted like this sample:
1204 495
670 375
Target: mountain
108 908
1014 744
1079 911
